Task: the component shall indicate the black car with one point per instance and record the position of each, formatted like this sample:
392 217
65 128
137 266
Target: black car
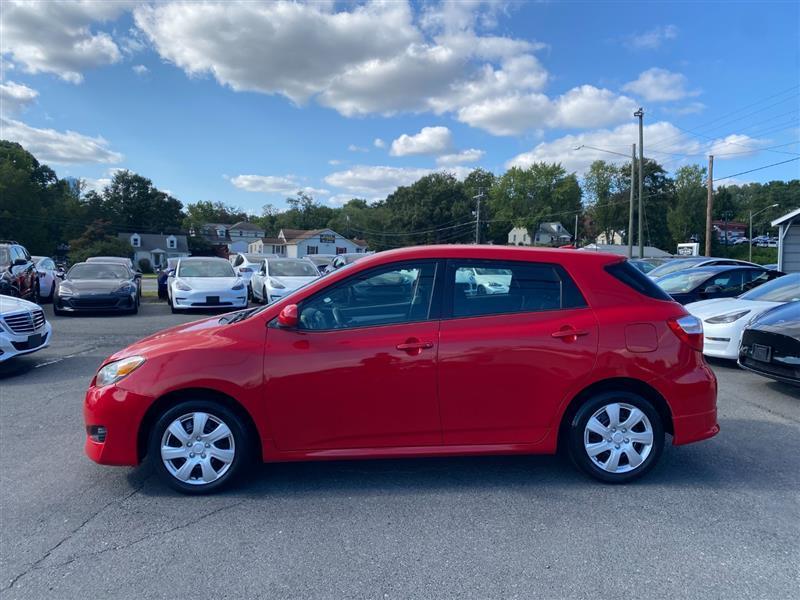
163 278
706 283
771 344
18 275
96 287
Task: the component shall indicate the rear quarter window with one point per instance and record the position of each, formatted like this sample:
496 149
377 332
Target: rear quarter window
632 277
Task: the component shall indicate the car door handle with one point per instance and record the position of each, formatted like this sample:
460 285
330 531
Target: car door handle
569 333
414 345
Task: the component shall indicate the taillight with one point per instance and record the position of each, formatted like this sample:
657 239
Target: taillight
689 330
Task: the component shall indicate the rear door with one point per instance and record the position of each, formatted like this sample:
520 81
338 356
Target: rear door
509 357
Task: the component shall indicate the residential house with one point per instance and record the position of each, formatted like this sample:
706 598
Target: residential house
788 241
235 238
616 238
548 234
296 243
156 247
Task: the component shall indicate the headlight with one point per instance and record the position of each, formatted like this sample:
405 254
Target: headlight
64 291
114 371
125 288
238 286
729 318
182 286
274 283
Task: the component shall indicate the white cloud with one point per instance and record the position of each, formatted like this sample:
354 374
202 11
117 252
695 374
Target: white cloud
335 161
15 97
465 156
379 143
56 37
692 108
662 140
274 184
377 182
354 148
660 85
378 57
140 69
430 140
652 39
51 146
584 106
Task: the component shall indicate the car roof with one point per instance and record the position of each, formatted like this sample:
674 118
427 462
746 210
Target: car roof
198 258
711 269
487 252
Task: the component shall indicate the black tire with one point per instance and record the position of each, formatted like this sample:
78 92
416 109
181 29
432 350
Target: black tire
36 297
51 294
264 297
575 429
243 453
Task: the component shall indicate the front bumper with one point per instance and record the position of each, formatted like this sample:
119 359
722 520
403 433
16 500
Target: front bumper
210 299
15 344
121 413
96 303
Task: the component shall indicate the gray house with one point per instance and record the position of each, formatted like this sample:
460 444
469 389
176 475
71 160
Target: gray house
553 234
235 238
156 247
788 241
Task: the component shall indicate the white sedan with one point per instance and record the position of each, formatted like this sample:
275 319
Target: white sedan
205 282
278 277
23 328
724 319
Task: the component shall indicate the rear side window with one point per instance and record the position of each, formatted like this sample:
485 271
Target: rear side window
495 287
634 278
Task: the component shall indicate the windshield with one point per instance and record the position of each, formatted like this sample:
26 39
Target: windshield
292 268
675 265
98 271
782 289
206 268
320 260
681 283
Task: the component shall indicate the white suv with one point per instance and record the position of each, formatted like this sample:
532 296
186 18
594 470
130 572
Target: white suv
23 328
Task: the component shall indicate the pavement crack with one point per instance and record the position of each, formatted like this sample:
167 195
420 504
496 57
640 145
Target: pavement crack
37 564
147 537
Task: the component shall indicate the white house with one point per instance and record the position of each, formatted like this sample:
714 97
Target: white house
156 247
296 243
788 241
553 234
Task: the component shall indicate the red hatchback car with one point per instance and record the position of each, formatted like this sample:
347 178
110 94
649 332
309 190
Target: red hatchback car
427 351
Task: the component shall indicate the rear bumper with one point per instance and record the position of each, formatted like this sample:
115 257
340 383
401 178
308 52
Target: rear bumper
121 413
694 428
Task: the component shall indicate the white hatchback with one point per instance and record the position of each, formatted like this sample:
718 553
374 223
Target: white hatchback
280 276
23 328
205 282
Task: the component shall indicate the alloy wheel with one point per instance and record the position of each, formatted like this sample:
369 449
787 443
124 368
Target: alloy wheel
618 437
197 448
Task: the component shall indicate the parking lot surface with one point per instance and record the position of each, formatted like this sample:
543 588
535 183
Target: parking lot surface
718 519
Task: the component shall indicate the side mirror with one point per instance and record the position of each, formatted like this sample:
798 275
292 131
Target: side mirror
19 262
288 316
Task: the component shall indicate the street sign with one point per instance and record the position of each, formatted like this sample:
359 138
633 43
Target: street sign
689 249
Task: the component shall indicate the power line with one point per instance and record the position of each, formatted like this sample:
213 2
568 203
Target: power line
783 162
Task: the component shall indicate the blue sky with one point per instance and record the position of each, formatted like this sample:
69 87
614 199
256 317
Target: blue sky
247 103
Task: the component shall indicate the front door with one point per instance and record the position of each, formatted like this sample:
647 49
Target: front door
510 354
359 371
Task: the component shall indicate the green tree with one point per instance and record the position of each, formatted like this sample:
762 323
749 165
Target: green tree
206 211
686 217
98 239
135 204
605 189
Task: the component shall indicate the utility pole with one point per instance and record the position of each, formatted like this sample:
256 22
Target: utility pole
640 113
630 210
575 237
709 203
478 218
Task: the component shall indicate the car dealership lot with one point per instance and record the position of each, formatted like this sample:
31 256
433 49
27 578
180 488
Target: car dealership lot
715 519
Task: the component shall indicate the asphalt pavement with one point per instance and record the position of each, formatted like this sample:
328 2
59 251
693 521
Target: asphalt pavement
718 519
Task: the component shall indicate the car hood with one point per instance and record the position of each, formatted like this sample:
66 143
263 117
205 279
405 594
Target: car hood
187 335
292 283
721 306
95 286
209 284
9 304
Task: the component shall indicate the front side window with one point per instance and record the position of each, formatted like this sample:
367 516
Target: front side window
388 295
493 287
729 282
